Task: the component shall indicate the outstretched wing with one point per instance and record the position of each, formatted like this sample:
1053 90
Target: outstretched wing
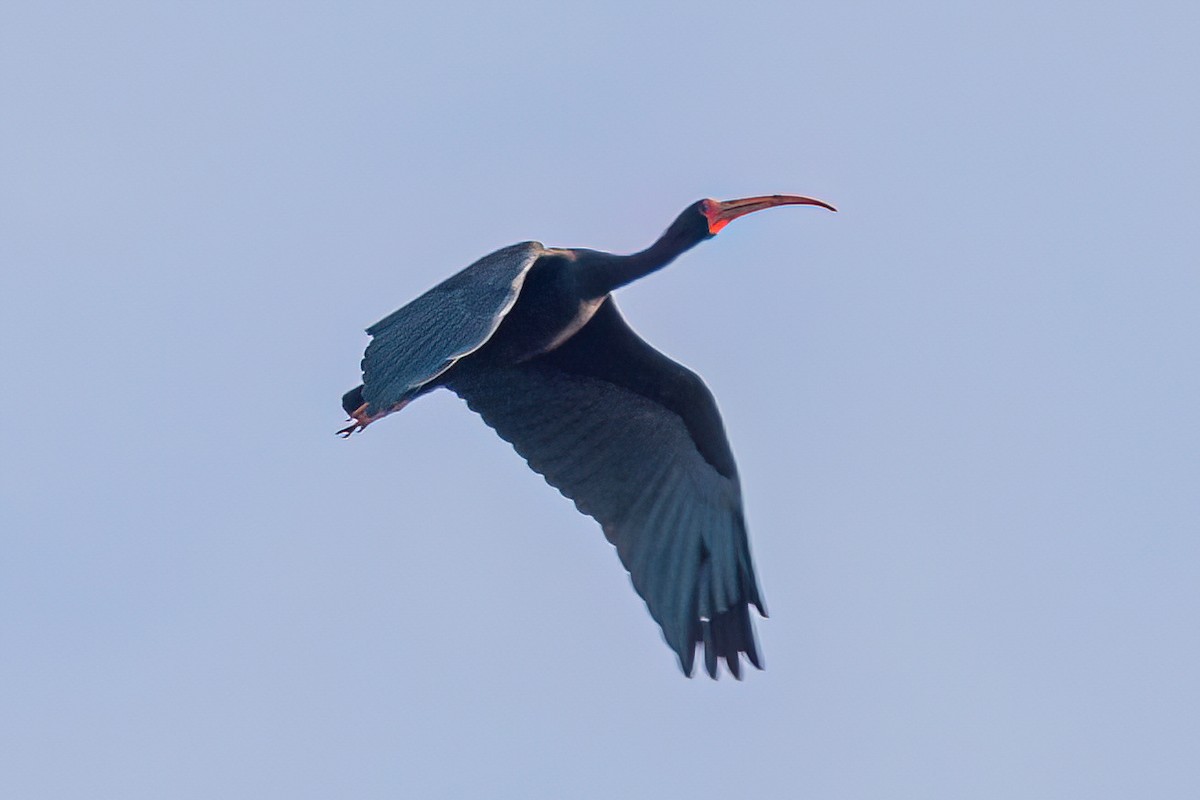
636 441
414 345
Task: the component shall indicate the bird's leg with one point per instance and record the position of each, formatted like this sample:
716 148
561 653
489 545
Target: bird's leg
360 419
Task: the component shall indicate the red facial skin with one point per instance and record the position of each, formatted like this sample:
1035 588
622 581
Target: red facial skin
720 214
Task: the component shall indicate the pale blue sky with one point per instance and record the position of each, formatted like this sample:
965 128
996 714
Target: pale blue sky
965 408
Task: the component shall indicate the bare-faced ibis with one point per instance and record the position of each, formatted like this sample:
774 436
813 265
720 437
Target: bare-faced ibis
532 340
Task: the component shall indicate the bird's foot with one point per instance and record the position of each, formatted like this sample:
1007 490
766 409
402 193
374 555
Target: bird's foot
349 429
359 420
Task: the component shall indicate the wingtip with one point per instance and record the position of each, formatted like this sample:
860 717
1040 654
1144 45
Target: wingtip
687 660
713 659
753 657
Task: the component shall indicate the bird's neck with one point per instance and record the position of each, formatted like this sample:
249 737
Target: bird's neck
605 271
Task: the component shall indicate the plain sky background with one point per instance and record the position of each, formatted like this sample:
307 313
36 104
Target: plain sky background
966 408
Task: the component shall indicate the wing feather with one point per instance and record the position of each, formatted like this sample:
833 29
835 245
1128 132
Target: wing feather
626 458
417 343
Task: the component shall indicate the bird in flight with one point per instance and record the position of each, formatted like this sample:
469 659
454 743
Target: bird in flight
531 339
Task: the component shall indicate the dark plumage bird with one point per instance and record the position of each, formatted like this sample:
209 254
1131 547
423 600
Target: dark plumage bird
531 339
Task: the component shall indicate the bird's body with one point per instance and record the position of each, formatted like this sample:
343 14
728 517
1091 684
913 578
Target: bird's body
549 310
530 337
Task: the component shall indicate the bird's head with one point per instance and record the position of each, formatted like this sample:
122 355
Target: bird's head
715 214
705 218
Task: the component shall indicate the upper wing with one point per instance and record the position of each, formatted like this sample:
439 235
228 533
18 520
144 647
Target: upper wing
423 339
636 441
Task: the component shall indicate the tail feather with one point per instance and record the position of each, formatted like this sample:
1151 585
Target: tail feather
353 399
